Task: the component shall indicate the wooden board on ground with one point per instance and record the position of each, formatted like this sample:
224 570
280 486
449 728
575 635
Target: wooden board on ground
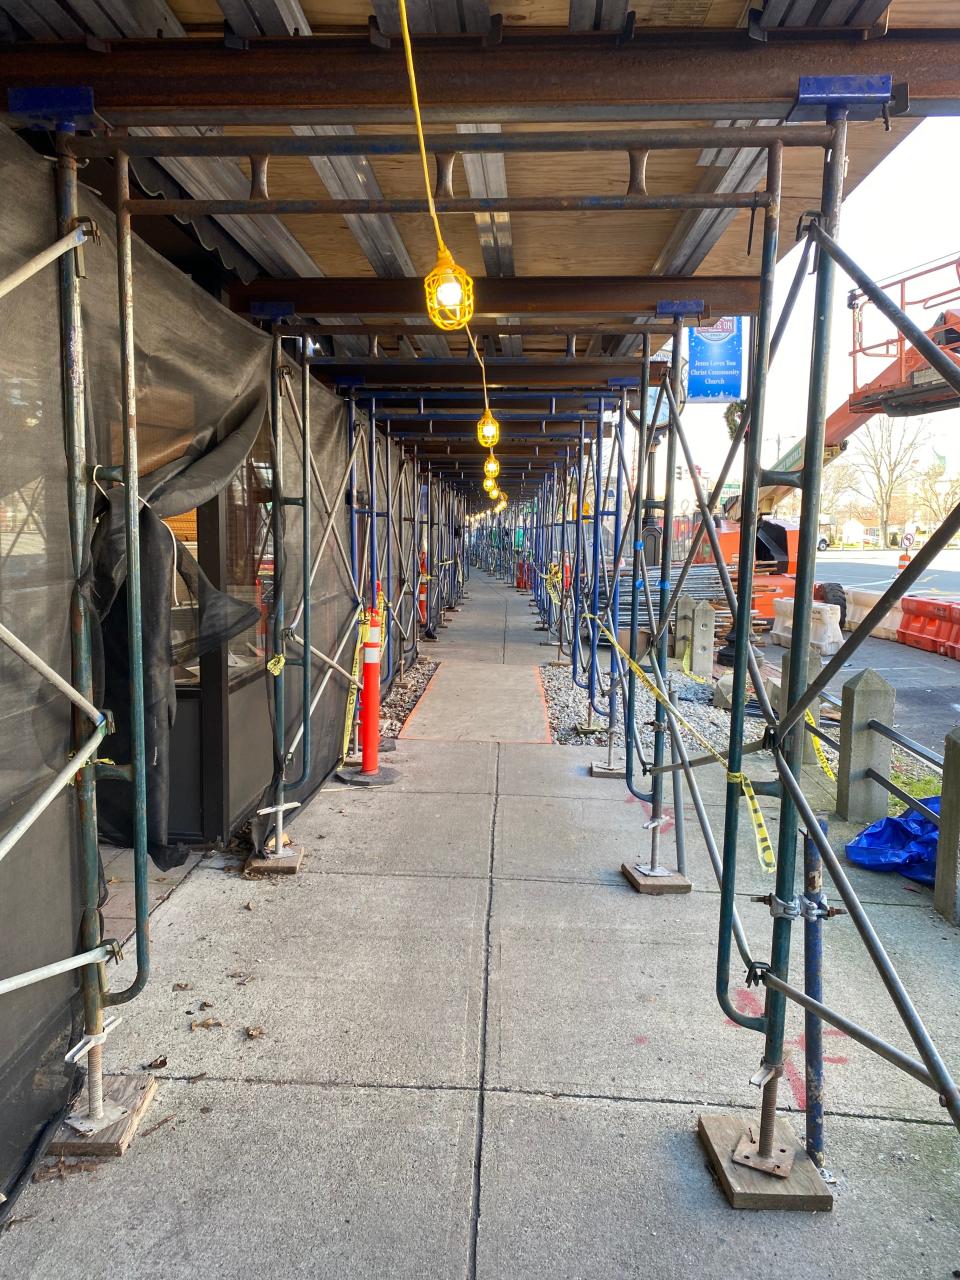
745 1188
135 1093
672 882
287 864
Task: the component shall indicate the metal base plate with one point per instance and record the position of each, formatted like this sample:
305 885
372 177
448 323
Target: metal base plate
660 881
83 1123
583 729
132 1095
600 769
748 1188
747 1153
284 864
356 778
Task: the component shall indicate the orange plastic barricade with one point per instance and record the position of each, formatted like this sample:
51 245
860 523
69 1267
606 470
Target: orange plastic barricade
951 647
925 624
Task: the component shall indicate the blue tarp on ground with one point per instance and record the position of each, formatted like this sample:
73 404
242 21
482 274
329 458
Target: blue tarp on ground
907 844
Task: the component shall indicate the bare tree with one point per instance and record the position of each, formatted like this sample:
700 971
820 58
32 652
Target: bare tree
882 461
938 494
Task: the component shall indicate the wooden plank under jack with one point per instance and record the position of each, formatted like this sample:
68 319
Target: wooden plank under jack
803 1189
286 864
672 882
133 1094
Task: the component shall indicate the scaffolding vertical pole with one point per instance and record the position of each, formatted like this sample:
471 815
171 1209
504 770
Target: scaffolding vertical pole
663 604
635 584
279 608
372 503
305 502
128 397
578 555
745 565
613 699
792 747
81 662
387 621
813 987
597 551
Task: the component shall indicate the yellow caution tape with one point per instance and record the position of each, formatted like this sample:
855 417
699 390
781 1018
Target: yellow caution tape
688 669
276 664
552 581
818 750
384 622
354 685
765 853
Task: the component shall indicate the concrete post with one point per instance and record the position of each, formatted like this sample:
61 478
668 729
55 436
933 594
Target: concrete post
701 659
814 663
866 696
946 890
683 626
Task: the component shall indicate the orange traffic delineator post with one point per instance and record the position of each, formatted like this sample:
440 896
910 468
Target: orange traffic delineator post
370 773
422 595
903 561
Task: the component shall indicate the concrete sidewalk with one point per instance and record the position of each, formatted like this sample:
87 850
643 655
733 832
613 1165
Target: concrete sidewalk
482 1054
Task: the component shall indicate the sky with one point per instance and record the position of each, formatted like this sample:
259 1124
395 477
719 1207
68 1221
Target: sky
902 215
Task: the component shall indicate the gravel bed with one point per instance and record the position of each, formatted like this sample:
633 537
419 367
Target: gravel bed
404 696
567 708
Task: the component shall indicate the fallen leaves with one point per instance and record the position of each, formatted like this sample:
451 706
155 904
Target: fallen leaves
157 1064
183 986
205 1024
254 1033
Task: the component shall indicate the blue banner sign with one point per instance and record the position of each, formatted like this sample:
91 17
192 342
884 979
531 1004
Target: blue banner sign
715 371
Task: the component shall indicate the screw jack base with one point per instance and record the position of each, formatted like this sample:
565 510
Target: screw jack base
130 1096
600 769
747 1186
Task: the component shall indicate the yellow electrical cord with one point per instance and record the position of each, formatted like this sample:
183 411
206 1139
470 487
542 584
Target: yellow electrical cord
443 253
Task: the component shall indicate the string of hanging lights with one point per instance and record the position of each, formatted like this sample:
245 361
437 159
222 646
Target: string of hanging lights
448 287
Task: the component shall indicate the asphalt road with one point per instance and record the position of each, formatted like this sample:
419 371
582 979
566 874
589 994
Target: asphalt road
928 686
875 570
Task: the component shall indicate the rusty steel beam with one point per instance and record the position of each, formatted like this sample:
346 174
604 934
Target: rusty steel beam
526 295
528 76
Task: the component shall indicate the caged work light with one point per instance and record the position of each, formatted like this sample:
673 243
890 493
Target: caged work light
493 493
449 292
489 483
491 467
488 431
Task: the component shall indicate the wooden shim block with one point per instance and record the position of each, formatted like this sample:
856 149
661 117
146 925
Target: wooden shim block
745 1188
133 1092
287 864
673 882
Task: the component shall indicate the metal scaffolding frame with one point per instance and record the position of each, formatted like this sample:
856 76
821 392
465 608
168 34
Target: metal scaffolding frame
587 599
435 501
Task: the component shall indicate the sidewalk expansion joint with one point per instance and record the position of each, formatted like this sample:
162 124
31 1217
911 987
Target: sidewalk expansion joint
484 1004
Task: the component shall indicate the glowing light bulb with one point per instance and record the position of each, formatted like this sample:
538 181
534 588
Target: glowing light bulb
494 492
449 290
449 293
489 483
491 467
488 431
